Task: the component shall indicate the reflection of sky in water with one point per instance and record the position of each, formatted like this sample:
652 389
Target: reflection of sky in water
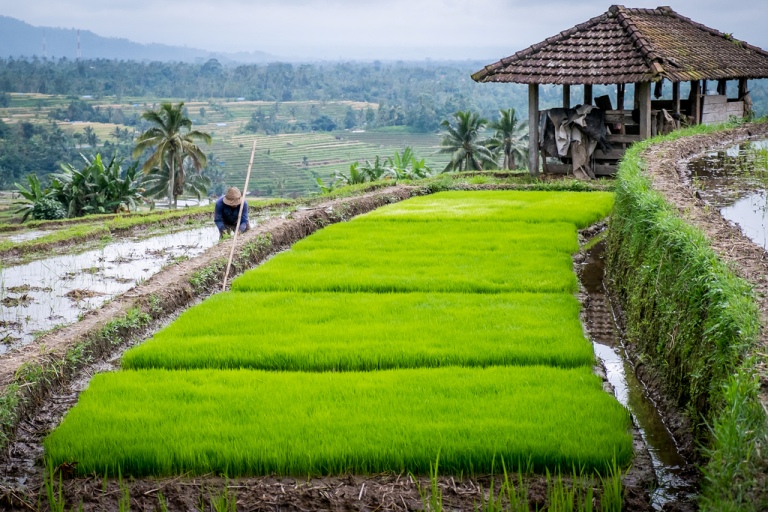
750 214
734 180
668 464
107 272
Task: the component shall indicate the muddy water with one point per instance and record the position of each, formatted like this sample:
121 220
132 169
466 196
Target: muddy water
735 180
673 473
40 295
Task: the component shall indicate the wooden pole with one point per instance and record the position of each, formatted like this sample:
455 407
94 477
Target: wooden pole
643 92
239 217
587 94
566 95
676 102
533 129
695 98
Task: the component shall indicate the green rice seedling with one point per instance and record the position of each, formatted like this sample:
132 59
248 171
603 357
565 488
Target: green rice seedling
124 501
246 422
225 501
517 496
342 331
55 495
162 503
490 236
432 498
579 208
613 489
464 271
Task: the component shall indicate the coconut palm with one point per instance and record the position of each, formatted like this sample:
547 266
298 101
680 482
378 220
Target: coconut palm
511 138
462 141
173 141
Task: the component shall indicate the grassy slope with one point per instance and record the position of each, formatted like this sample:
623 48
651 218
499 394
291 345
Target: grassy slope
241 422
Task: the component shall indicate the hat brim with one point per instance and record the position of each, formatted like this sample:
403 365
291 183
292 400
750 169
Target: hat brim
232 202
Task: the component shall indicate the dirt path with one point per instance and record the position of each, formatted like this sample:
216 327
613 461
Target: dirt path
666 166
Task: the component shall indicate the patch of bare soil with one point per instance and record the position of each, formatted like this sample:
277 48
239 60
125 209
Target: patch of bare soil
22 300
77 294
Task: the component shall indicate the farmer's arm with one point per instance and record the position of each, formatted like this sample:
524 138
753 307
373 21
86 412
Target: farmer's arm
244 218
217 216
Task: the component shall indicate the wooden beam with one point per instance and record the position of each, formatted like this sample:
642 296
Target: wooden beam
566 96
587 94
533 129
643 93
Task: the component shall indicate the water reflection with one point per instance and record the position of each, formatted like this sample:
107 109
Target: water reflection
735 180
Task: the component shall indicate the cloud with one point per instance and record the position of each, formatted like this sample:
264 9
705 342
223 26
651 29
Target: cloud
357 28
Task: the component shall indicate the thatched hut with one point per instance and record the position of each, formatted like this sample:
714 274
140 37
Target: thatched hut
644 47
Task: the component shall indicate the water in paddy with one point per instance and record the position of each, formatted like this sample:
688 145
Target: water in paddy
673 473
735 181
55 291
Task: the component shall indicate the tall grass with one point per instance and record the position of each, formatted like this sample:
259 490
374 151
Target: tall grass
244 422
340 331
578 208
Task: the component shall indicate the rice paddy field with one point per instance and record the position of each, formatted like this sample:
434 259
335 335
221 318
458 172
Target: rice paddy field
285 164
444 324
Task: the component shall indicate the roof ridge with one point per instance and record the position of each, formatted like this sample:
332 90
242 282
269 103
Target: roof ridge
653 58
560 36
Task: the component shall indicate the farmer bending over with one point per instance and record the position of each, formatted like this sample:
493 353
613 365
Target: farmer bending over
227 208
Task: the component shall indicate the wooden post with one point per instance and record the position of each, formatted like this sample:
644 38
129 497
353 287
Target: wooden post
676 96
587 94
566 96
722 87
695 98
533 129
643 93
743 92
620 91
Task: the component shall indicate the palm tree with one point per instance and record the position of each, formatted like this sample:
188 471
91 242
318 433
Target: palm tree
511 137
173 140
463 143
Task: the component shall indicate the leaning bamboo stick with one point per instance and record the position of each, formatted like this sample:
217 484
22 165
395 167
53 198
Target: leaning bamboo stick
239 216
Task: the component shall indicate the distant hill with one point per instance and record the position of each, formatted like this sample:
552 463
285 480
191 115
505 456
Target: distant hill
20 39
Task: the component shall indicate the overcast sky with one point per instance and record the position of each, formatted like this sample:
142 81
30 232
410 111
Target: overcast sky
360 29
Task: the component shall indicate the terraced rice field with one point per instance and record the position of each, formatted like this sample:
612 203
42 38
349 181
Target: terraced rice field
281 375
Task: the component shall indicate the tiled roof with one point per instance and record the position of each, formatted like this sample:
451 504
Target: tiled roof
631 45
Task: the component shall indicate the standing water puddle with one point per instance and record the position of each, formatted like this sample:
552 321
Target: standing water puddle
673 474
735 180
56 291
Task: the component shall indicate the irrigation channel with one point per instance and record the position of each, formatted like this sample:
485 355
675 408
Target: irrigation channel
734 180
676 479
41 295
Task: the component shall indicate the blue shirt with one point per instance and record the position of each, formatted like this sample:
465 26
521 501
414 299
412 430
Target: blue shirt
225 215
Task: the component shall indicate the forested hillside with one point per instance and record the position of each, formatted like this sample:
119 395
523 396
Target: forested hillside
229 100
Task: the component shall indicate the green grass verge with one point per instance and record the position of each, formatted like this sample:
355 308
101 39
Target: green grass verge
579 208
695 323
327 331
245 422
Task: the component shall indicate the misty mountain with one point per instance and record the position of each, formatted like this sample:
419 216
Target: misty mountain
20 39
